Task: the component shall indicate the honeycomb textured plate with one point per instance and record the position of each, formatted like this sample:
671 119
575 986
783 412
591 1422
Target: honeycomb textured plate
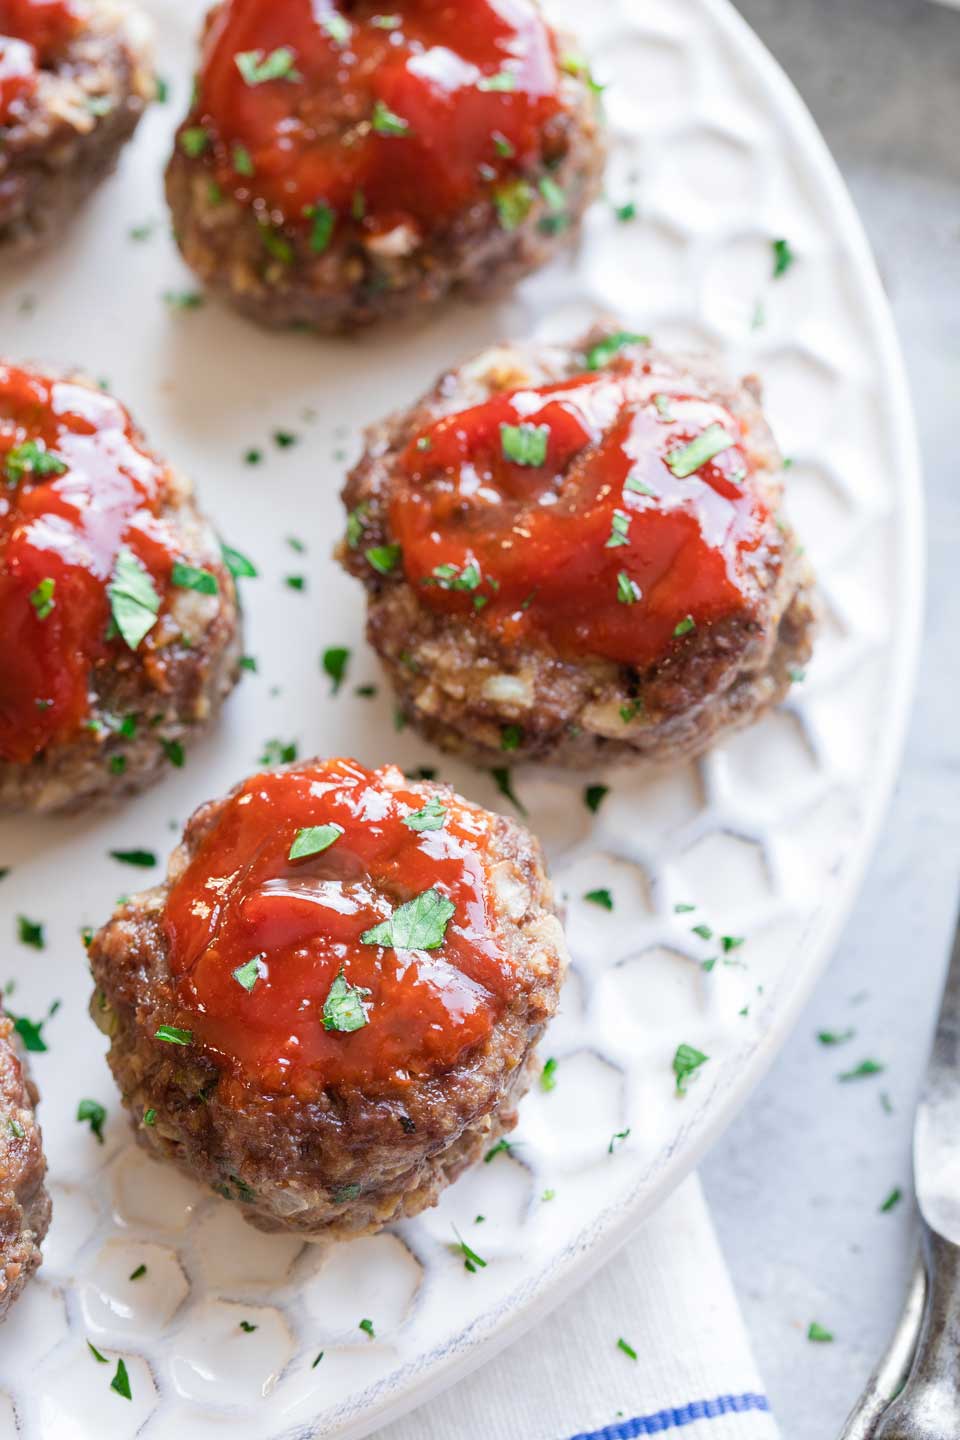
767 838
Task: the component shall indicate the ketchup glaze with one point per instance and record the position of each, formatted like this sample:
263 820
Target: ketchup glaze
391 118
76 486
561 513
31 34
257 940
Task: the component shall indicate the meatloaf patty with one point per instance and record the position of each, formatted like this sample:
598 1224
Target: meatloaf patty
342 164
119 628
577 554
330 1008
75 77
24 1203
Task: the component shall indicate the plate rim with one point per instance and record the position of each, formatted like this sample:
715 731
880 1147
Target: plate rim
420 1380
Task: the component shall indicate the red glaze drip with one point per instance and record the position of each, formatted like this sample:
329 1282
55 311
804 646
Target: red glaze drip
311 140
67 528
538 534
31 32
241 897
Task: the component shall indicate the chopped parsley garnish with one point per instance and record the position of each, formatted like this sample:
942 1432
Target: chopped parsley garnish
685 1062
143 858
502 145
502 1147
276 244
600 354
194 140
239 566
594 796
163 90
384 558
247 975
191 577
452 577
16 1129
688 459
121 1381
511 737
419 924
385 122
317 1361
432 817
138 1274
31 457
548 1075
703 931
42 599
514 201
525 444
617 1139
345 1193
173 750
343 1008
335 662
30 932
783 257
504 783
386 22
149 1117
504 81
892 1200
314 840
94 1114
324 219
626 212
183 299
276 752
296 582
247 1327
30 1032
861 1071
249 662
628 591
619 530
835 1037
819 1334
684 626
338 28
134 601
258 68
603 898
471 1260
242 160
626 1348
367 1327
683 909
173 1035
556 202
100 1359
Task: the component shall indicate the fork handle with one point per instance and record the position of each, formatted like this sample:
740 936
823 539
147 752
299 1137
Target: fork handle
928 1406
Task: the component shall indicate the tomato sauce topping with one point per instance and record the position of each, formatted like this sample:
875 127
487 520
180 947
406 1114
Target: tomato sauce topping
275 967
76 490
326 112
610 514
31 33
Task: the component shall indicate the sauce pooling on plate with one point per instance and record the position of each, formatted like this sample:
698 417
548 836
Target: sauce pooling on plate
31 33
395 119
82 551
333 927
610 514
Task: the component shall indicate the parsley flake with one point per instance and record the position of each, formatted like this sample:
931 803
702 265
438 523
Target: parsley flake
324 219
258 68
31 457
628 591
861 1071
191 577
138 1274
603 352
504 783
30 932
619 530
247 975
419 924
603 898
819 1334
239 566
684 626
525 444
343 1008
688 459
143 858
594 796
514 201
314 840
94 1114
892 1200
134 602
685 1062
626 1348
471 1259
783 257
173 1035
335 662
121 1381
384 558
502 1147
367 1327
431 817
548 1075
385 122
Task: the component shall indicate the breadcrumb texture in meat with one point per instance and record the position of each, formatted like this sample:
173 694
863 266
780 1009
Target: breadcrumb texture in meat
24 1202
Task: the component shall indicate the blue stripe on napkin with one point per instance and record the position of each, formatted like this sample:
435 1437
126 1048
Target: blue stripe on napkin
676 1419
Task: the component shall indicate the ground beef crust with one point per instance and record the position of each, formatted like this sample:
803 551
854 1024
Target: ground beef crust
358 281
347 1162
460 686
70 136
198 643
24 1202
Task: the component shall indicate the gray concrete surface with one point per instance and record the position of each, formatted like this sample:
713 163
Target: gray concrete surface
796 1185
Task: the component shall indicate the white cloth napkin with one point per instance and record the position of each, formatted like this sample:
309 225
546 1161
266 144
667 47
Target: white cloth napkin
669 1296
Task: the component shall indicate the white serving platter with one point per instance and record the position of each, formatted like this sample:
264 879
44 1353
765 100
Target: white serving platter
768 837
